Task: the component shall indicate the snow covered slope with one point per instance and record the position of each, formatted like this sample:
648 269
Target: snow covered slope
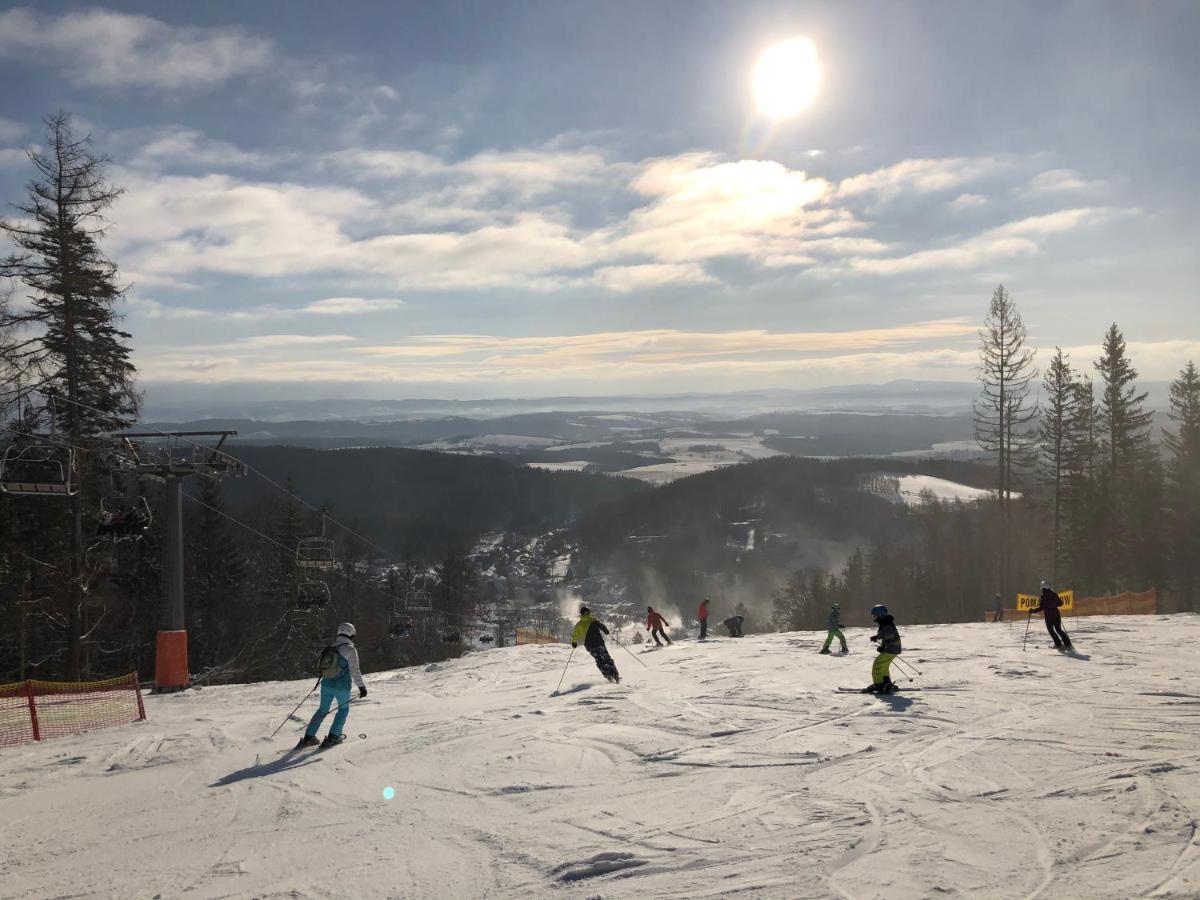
729 767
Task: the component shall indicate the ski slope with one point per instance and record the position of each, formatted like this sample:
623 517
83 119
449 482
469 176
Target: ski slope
730 767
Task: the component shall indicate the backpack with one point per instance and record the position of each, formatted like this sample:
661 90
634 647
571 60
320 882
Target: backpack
330 663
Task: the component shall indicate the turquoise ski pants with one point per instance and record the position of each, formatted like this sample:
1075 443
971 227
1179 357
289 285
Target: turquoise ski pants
331 690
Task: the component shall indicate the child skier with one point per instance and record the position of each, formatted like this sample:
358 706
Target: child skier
834 624
702 614
588 630
655 624
889 648
339 666
1049 607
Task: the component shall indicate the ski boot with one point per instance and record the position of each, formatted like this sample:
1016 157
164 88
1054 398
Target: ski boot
309 740
825 651
332 740
889 686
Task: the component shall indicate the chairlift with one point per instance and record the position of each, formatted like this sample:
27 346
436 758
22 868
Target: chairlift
417 597
399 627
451 636
123 519
315 553
44 470
311 594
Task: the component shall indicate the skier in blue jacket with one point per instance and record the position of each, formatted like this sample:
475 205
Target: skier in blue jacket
337 687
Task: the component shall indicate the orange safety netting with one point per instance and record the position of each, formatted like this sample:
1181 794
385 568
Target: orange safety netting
1127 604
37 710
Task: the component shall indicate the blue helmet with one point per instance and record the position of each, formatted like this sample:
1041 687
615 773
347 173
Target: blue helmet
877 611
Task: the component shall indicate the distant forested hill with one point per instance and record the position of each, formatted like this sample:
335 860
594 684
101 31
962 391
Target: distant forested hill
418 503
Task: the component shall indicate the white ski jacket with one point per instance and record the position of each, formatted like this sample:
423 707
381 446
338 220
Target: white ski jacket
346 649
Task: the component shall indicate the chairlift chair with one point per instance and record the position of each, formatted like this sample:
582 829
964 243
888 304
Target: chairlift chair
44 470
123 519
311 594
418 598
315 553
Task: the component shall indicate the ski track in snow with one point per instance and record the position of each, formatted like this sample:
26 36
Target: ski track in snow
726 768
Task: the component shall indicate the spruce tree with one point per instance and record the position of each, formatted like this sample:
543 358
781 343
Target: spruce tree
1183 487
1004 411
1058 408
69 344
1129 461
1082 508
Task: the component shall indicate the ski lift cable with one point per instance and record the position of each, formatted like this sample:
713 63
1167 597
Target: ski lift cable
286 549
260 474
277 485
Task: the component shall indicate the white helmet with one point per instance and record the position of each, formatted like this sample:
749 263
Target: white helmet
347 629
1045 585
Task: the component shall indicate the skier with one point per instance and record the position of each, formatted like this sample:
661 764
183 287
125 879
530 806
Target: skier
339 664
1048 607
889 648
588 630
656 624
834 624
999 617
734 624
703 616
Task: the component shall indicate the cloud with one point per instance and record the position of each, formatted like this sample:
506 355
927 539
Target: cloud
114 49
11 157
10 130
921 176
349 306
966 202
1060 181
633 278
176 147
1006 241
703 208
582 357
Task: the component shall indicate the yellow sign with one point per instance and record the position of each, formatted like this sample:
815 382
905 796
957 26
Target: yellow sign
1033 601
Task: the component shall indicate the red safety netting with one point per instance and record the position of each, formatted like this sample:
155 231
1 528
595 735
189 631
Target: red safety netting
1127 604
37 710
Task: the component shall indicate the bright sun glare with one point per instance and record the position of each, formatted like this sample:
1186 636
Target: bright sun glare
786 78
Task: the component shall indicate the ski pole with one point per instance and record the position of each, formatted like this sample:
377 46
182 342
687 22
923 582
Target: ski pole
298 705
564 674
1027 621
908 667
630 652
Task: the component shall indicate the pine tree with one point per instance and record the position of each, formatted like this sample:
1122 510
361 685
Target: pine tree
1058 408
71 345
1004 412
1183 483
1082 505
218 570
1128 460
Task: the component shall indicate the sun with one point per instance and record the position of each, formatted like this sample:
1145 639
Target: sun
787 78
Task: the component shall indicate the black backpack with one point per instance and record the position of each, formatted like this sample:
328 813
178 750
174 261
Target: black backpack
330 663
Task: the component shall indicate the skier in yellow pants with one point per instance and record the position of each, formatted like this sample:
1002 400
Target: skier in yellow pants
888 639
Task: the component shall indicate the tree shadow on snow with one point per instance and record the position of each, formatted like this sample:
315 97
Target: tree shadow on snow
288 761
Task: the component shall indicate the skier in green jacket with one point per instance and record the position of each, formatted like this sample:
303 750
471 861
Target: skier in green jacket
834 624
589 630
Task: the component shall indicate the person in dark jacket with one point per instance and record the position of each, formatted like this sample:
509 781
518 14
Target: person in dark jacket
656 625
734 624
888 640
999 616
834 624
1049 608
589 630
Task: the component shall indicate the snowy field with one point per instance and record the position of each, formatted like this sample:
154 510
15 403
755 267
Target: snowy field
726 768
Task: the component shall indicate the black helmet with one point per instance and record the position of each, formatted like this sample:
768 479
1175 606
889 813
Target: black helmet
583 610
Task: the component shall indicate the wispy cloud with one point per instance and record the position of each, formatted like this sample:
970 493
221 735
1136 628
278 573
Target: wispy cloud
350 306
922 176
1061 181
114 49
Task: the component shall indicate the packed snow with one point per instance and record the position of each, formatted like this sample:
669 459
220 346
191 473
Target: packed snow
719 768
913 489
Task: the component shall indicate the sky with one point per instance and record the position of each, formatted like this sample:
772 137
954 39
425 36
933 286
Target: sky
461 200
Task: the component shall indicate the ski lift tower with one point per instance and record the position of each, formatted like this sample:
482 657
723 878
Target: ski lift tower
171 464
